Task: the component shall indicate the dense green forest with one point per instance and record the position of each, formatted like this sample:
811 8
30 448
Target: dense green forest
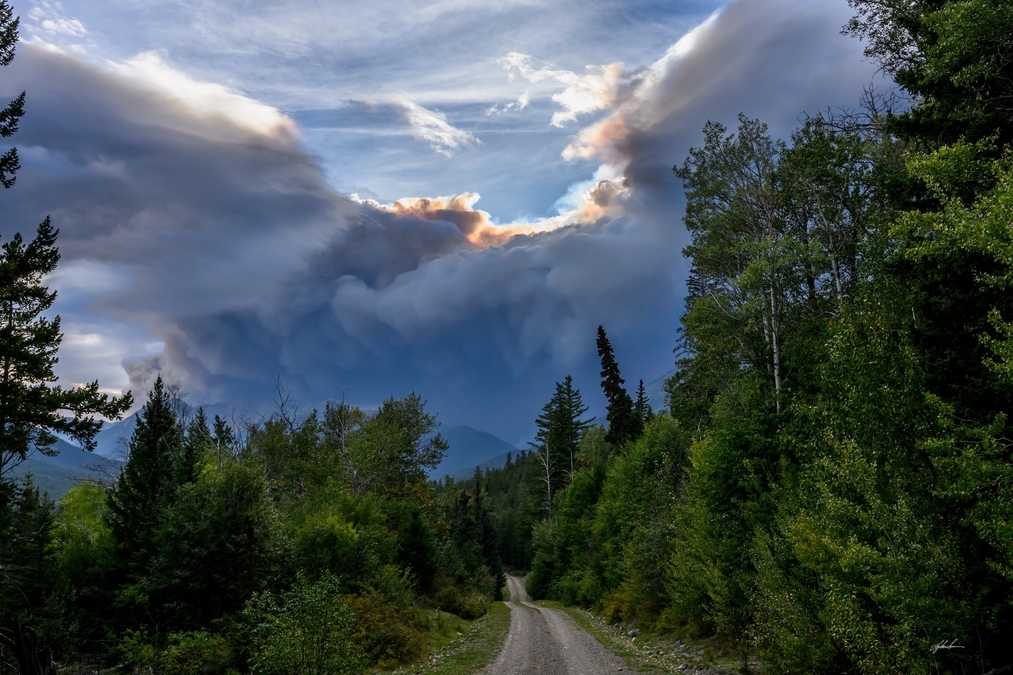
830 488
309 544
831 485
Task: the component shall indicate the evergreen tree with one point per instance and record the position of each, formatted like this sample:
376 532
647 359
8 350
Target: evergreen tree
196 442
643 406
624 425
486 533
12 113
558 438
146 486
27 554
31 408
417 549
217 543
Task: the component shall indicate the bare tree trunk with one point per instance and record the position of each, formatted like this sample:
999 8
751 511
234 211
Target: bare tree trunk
546 460
837 278
776 348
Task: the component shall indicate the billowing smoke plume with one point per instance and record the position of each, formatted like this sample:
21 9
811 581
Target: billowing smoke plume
227 245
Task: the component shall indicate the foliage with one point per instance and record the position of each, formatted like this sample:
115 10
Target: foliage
949 55
308 629
28 565
30 407
557 441
624 422
218 543
13 111
197 653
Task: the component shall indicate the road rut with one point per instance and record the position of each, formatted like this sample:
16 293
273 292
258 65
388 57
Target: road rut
545 641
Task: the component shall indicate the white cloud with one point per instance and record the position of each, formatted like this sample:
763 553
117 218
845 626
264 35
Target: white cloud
150 71
522 102
604 137
599 89
432 127
71 27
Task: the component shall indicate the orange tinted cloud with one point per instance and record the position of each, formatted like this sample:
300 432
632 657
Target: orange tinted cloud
476 225
479 229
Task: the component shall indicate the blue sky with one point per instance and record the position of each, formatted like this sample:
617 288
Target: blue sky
373 198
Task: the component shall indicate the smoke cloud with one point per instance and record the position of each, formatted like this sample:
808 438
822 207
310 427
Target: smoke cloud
226 246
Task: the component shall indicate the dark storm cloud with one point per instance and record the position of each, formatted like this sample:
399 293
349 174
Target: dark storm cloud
247 266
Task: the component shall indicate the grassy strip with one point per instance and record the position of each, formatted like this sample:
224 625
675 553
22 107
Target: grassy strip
650 654
472 651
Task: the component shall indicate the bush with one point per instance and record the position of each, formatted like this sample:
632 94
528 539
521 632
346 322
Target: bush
197 653
308 630
386 633
136 649
467 605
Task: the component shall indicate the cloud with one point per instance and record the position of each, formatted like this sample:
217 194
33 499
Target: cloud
150 71
71 27
522 102
599 89
433 128
217 237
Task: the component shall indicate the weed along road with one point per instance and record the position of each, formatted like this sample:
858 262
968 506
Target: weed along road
545 641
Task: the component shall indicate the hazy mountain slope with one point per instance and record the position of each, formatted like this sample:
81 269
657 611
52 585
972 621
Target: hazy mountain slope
470 448
71 466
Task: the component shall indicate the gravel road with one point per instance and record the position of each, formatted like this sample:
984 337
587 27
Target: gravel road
546 641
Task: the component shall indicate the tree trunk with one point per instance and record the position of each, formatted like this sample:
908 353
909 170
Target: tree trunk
31 659
776 347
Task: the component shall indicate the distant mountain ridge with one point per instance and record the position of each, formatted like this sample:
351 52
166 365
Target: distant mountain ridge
57 474
468 448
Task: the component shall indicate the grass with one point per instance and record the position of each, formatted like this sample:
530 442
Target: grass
466 651
653 654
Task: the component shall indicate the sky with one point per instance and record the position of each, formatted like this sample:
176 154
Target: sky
362 200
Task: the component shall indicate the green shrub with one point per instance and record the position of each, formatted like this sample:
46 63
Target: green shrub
386 633
467 605
136 649
197 653
308 630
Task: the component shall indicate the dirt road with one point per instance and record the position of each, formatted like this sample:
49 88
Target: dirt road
547 642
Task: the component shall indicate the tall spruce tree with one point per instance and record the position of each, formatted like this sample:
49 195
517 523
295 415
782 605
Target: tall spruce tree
560 427
624 424
146 486
31 408
486 531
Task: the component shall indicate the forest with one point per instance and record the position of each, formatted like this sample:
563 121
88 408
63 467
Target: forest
830 487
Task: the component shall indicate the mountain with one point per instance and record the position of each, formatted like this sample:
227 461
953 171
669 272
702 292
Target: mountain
494 463
58 474
111 442
656 391
470 448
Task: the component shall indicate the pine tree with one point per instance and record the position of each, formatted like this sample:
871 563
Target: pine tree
31 408
643 406
10 115
196 442
624 425
146 486
487 537
559 430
